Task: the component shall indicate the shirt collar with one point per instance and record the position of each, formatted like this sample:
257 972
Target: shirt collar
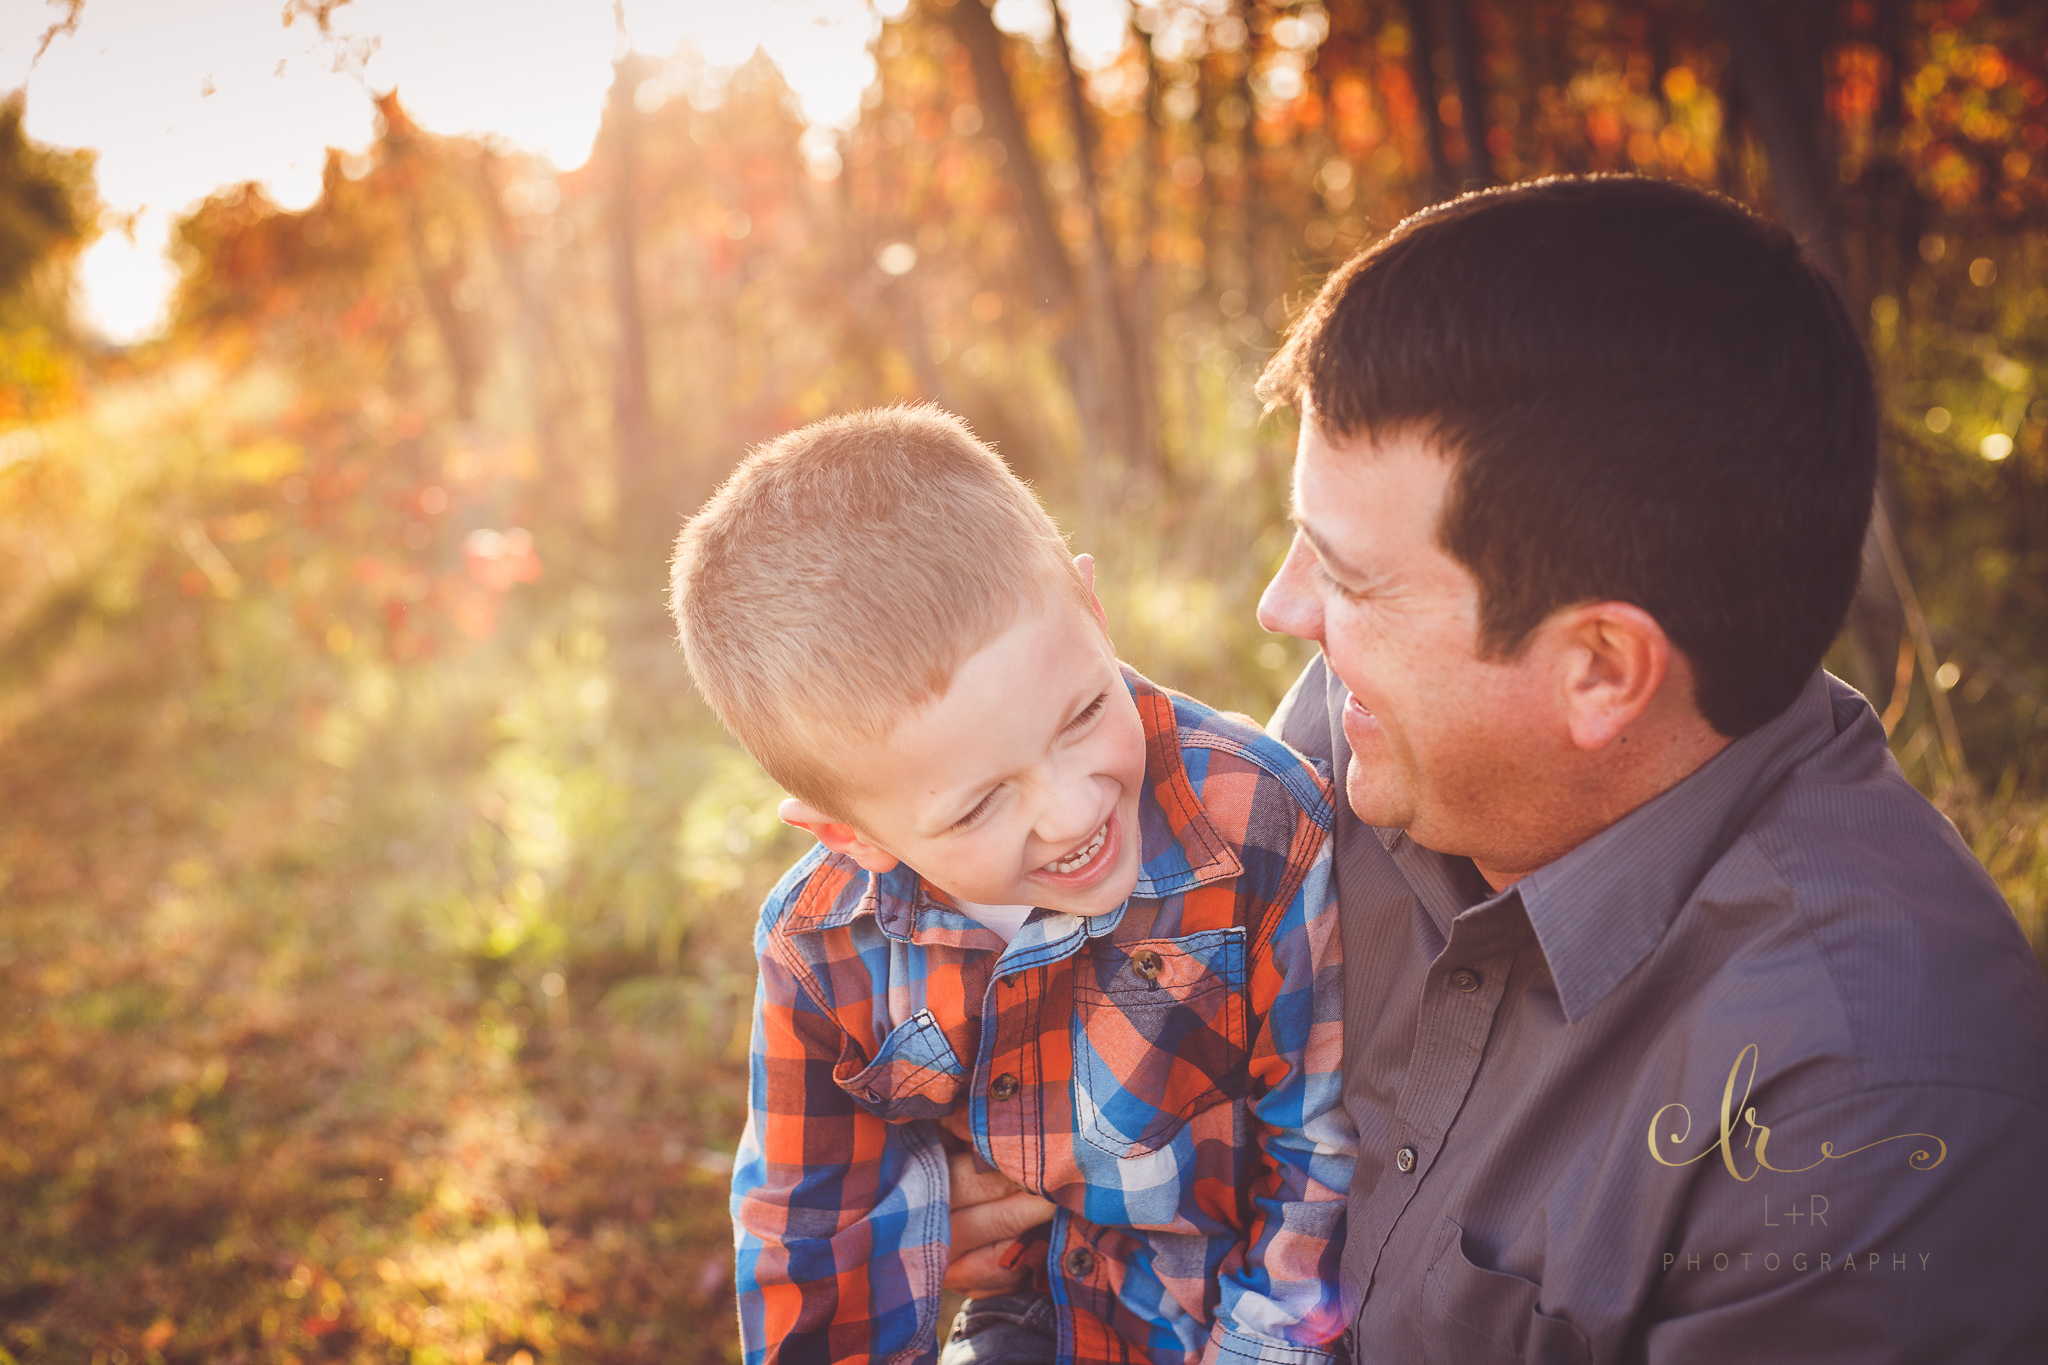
1600 909
1179 848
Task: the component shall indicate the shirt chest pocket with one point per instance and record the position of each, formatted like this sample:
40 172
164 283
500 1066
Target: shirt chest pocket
1483 1315
1159 1036
915 1074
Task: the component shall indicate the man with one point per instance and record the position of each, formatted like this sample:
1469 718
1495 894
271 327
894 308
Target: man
1677 1025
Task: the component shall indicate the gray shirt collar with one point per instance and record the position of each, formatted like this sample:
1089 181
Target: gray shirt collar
1600 909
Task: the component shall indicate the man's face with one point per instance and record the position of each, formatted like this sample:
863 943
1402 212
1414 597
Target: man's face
1018 786
1443 744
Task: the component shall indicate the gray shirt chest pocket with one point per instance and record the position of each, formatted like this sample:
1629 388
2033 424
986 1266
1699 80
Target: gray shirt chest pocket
1481 1316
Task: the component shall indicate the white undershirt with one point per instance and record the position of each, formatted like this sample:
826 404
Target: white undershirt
1005 920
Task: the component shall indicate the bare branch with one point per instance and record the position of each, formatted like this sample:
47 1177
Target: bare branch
74 10
321 12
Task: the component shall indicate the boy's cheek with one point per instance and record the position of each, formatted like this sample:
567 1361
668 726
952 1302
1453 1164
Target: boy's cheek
1129 740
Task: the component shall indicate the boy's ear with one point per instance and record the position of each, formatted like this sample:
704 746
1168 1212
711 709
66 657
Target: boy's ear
836 835
1085 566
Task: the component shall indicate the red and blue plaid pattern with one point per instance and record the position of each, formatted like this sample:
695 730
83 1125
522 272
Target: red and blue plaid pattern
1167 1074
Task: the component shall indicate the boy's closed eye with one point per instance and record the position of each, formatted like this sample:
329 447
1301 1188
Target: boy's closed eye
1074 726
980 809
1088 713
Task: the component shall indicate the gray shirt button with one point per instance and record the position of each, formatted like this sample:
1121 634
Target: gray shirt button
1465 979
1404 1160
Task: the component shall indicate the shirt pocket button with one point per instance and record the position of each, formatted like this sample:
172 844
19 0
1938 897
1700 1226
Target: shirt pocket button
1002 1087
1147 964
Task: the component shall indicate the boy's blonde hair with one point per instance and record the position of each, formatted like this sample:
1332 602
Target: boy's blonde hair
845 571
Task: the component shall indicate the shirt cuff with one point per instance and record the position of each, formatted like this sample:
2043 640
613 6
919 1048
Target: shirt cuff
1230 1347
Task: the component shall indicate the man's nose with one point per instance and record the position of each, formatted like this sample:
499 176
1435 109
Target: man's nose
1290 606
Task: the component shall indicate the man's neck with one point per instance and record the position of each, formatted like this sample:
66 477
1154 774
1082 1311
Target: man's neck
1605 792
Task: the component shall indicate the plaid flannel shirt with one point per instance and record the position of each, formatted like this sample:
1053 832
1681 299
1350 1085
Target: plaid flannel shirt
1167 1074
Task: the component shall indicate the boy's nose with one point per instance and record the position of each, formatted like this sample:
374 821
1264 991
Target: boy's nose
1289 605
1073 809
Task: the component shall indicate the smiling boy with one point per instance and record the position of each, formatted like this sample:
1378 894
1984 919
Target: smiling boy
1080 923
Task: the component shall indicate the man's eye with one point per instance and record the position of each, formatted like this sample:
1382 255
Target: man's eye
1347 593
1094 709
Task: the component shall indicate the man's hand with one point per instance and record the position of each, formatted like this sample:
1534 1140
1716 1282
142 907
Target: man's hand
990 1211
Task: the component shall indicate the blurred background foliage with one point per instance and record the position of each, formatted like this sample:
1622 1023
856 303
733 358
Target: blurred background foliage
375 898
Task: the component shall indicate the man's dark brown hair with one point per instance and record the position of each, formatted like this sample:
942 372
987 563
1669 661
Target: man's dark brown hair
1648 394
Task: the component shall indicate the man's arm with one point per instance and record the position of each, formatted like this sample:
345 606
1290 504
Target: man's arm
840 1218
990 1212
1279 1301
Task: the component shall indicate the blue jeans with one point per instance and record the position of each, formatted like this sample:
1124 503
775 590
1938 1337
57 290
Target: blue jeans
1003 1329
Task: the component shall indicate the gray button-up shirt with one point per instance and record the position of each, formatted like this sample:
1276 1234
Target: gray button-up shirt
1791 935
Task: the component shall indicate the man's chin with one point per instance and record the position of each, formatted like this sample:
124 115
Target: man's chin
1369 800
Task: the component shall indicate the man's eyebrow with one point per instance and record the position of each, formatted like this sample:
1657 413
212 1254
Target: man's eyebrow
1341 567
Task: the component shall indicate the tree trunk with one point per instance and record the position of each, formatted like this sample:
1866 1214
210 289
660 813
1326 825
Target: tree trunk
631 426
1245 228
1422 70
1799 181
646 515
1895 215
437 276
1479 172
1110 334
1052 274
1803 189
1728 169
539 354
1143 291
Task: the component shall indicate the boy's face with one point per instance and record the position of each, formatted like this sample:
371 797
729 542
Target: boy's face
1018 786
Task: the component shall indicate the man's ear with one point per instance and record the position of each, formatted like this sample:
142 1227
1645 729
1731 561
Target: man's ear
1618 660
836 835
1085 566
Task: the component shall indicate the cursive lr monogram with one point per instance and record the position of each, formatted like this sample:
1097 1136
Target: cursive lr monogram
1921 1160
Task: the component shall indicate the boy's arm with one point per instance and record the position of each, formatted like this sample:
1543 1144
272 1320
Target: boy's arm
1280 1301
840 1218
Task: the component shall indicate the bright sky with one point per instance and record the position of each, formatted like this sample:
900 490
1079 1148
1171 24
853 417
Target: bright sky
181 97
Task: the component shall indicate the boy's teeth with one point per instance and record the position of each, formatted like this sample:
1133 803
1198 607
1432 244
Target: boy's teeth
1080 857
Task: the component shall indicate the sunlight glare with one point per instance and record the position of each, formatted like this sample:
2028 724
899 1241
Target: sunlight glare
125 281
464 67
820 46
1096 29
177 107
180 98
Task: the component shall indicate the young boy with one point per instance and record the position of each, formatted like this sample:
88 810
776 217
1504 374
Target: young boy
1080 923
